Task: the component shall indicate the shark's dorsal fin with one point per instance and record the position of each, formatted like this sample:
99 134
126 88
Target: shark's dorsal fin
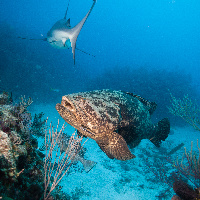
76 30
66 10
68 23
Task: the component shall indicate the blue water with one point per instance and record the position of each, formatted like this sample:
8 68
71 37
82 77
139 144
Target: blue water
145 47
160 34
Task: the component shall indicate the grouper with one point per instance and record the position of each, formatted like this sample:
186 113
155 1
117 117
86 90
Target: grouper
114 119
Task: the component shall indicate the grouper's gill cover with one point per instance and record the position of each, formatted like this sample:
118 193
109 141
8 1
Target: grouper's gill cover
94 114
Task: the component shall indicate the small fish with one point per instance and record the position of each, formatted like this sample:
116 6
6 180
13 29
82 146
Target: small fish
54 90
63 142
63 36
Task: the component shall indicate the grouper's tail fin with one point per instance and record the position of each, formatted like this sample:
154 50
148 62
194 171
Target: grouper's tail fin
162 130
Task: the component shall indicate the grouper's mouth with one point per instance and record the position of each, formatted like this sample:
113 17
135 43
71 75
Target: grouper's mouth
66 113
66 110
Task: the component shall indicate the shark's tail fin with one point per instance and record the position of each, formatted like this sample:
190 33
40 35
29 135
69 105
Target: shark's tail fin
76 30
162 130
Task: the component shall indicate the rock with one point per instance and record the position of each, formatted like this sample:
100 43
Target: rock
7 159
5 98
10 150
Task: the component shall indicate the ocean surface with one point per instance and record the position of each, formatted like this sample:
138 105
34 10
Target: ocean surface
148 48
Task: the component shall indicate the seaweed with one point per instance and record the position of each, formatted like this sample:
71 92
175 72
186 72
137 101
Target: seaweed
187 109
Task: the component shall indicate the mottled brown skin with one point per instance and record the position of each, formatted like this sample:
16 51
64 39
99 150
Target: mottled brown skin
112 118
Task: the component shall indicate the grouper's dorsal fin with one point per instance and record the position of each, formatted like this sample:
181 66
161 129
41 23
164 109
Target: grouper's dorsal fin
151 106
74 32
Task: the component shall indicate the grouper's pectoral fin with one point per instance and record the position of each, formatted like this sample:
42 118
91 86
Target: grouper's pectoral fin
115 147
74 32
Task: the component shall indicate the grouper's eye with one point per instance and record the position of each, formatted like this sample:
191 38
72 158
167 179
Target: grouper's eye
68 105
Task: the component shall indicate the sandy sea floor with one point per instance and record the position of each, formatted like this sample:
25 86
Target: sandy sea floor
122 180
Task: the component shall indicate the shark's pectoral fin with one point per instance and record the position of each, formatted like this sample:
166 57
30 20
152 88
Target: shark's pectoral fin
115 147
76 30
64 41
67 43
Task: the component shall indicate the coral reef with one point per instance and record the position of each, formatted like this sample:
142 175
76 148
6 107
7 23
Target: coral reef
11 150
24 173
182 174
5 98
65 159
187 109
189 168
38 125
8 159
11 145
189 165
185 191
21 163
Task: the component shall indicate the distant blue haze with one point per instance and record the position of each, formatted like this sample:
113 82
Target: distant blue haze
162 35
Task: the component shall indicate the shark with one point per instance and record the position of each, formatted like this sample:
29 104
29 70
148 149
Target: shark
63 36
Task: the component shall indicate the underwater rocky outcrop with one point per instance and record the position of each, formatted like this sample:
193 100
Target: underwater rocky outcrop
187 185
21 163
12 147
